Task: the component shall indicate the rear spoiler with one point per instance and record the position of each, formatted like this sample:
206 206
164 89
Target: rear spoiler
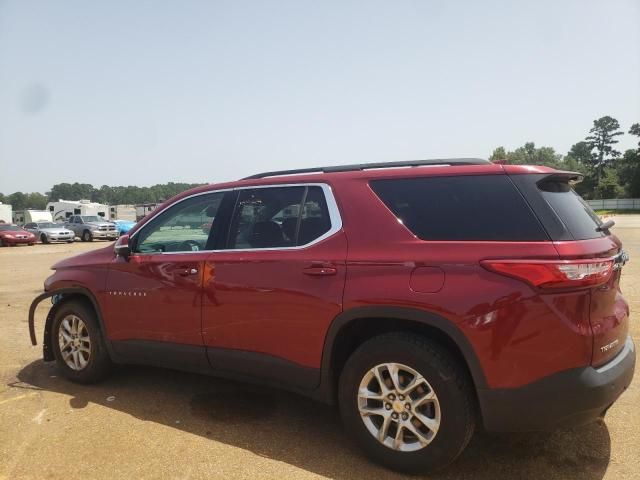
563 176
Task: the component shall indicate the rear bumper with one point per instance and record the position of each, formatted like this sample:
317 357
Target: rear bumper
565 399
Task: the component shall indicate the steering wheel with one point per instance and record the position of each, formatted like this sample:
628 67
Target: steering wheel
189 246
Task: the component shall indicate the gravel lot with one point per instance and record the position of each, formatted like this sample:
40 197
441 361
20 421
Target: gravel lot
150 423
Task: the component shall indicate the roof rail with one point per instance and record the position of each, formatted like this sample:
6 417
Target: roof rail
367 166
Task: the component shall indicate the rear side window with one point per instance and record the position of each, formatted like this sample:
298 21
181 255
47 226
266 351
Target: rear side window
573 211
480 207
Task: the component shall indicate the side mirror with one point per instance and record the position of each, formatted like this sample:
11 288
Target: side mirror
122 248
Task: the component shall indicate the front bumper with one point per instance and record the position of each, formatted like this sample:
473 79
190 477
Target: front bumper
565 399
18 241
60 238
110 235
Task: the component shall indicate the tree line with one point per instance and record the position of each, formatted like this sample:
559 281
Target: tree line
608 173
105 194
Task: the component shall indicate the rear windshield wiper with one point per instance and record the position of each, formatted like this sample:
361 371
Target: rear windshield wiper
605 226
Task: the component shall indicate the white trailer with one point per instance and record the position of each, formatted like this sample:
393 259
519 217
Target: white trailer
63 209
122 212
5 213
143 209
22 217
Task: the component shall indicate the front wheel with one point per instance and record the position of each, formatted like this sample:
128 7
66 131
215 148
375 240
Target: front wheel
86 236
407 402
44 238
78 345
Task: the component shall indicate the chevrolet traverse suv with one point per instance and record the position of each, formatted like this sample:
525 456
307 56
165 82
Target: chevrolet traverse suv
425 298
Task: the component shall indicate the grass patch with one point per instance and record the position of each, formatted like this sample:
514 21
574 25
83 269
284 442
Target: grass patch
618 212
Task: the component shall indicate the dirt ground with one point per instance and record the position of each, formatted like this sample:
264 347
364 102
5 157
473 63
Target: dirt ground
151 423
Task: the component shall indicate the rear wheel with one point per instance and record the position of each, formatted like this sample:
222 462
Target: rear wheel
78 345
86 236
407 402
44 238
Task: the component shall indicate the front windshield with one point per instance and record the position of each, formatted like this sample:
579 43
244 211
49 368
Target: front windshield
12 228
48 225
91 218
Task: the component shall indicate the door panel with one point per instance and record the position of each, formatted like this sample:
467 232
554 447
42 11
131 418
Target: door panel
267 301
156 297
156 294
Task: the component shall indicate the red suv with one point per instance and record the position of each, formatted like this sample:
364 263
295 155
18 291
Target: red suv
423 297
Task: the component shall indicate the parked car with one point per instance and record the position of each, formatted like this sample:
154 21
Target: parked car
12 235
50 232
90 227
423 301
123 226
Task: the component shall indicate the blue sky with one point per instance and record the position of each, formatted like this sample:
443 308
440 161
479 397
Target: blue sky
138 93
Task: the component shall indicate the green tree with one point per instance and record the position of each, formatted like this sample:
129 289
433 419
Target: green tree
17 200
609 185
629 166
602 138
498 154
635 130
36 201
68 191
528 154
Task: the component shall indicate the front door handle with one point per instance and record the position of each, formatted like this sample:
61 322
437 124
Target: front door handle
185 272
320 270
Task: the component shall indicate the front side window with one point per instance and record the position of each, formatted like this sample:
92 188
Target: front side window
279 217
184 227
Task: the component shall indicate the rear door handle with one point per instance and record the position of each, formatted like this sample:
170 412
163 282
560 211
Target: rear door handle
320 270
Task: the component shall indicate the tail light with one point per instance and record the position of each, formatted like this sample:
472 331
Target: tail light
555 274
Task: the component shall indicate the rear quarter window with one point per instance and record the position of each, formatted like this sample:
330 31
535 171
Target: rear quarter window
578 217
479 207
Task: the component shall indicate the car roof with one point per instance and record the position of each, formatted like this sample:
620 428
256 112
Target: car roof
372 171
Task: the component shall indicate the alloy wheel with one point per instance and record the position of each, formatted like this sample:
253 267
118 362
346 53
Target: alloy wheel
399 407
74 342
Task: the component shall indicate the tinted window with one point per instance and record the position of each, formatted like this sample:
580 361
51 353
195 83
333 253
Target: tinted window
10 228
481 207
264 216
278 217
184 227
573 211
315 220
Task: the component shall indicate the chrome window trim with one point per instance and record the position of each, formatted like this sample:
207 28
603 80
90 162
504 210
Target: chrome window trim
332 206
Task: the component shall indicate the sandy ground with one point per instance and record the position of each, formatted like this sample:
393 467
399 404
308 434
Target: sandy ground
150 423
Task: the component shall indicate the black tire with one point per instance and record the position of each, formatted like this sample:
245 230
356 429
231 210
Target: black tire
44 238
449 381
2 243
99 364
86 236
69 241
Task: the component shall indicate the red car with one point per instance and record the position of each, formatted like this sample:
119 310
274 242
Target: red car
11 235
424 301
